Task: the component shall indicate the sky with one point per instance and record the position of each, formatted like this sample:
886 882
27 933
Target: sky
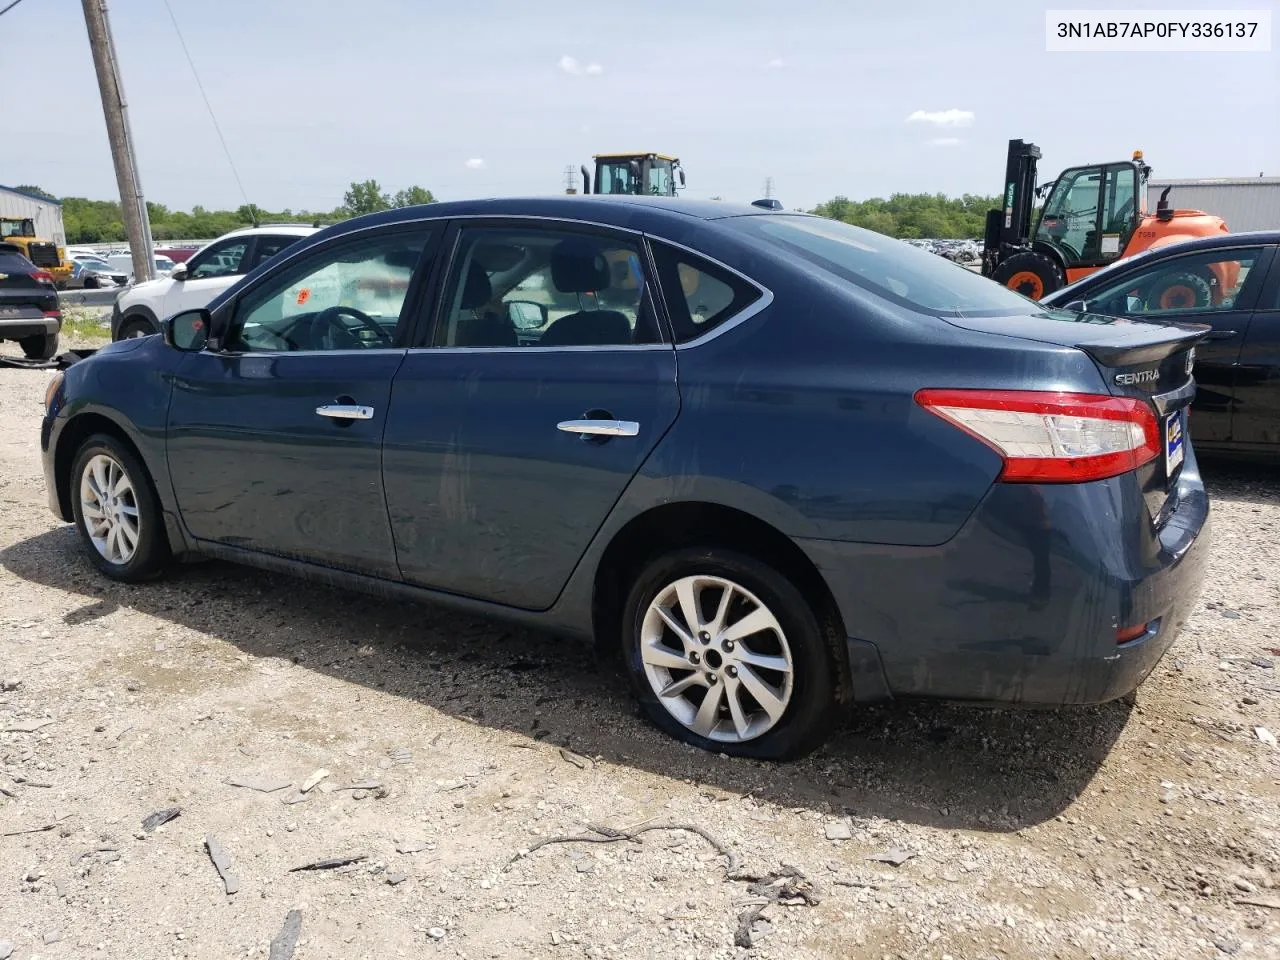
859 98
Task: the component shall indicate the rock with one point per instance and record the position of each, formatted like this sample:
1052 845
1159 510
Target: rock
26 726
396 878
309 784
1263 662
895 856
436 933
359 794
1265 735
282 946
1241 884
1230 614
1169 796
160 817
297 796
1228 946
580 762
222 863
6 949
412 846
332 863
362 785
8 686
52 935
261 784
839 830
1133 893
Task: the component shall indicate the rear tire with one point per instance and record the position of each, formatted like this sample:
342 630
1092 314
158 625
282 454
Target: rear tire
1031 274
773 679
1180 290
40 347
135 327
117 512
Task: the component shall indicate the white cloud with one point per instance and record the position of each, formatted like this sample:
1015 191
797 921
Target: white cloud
945 142
475 163
943 118
571 65
776 63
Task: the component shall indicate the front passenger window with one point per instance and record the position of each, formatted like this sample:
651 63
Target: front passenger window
219 261
348 296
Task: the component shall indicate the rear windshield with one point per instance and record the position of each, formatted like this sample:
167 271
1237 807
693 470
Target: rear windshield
14 263
892 269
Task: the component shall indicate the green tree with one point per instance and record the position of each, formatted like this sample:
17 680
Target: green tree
414 196
35 191
365 197
931 215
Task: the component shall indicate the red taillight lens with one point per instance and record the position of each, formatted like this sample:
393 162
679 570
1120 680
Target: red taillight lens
44 276
1129 634
53 314
1053 437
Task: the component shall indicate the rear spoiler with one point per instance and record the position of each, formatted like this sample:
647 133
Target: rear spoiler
1148 342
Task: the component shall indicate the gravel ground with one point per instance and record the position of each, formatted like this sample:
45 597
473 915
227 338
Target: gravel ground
1144 829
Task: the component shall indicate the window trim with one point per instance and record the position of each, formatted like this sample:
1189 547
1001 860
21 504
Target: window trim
441 287
759 305
224 314
1245 306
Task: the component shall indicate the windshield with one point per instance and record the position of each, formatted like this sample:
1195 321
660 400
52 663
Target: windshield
10 227
615 177
889 268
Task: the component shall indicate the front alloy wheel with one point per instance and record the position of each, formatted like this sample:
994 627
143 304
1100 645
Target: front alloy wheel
109 509
728 676
116 510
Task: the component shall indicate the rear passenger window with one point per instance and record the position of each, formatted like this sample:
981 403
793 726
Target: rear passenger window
699 295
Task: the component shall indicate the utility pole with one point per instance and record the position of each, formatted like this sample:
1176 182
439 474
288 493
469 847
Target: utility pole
114 108
768 188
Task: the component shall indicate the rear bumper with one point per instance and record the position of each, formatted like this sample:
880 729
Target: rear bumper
16 328
1023 604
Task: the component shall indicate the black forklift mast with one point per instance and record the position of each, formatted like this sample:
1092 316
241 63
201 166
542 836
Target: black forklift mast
1008 230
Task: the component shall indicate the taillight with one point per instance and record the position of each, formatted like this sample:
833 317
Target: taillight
43 276
1053 437
52 314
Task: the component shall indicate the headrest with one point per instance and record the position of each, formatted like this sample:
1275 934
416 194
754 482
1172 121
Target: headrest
579 266
477 291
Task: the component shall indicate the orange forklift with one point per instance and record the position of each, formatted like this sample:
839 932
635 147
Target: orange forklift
1094 215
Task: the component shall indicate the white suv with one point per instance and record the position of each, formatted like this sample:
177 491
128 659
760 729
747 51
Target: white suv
193 284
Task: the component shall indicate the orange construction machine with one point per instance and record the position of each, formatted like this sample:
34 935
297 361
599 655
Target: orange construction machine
1094 215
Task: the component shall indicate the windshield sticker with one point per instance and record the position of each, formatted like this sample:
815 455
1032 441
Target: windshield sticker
304 295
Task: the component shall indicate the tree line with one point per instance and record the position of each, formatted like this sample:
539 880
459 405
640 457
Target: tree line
902 215
100 221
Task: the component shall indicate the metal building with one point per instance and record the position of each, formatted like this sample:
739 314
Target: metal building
1245 203
45 212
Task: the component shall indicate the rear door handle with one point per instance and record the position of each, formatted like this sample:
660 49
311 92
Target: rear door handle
600 428
346 411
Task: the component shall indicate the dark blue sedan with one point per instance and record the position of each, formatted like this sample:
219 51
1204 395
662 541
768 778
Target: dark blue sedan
783 464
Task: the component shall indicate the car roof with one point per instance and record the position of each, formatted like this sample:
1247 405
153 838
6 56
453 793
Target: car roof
636 212
285 229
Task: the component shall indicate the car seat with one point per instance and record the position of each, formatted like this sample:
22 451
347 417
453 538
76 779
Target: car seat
579 266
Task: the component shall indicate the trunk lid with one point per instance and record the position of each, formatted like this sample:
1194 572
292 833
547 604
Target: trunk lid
1149 360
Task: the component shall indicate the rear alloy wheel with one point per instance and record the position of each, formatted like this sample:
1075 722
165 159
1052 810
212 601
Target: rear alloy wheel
40 347
117 512
1180 291
1031 274
724 653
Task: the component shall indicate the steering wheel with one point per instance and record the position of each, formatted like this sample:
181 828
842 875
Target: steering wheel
329 318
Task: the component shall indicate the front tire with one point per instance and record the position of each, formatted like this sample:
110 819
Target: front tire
1031 274
40 347
117 512
725 653
135 327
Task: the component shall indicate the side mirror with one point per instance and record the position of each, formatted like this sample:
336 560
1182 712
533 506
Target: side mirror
681 172
527 315
187 331
1134 304
179 272
1077 306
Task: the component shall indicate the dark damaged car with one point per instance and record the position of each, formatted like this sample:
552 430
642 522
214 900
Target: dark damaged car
782 465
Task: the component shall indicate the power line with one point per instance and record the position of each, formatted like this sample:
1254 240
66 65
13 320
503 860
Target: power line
208 105
9 7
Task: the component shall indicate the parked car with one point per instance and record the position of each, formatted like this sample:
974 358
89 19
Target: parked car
91 272
210 271
781 463
29 308
1230 283
124 262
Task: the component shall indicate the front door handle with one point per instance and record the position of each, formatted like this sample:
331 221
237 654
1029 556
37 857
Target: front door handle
600 428
346 411
1220 335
